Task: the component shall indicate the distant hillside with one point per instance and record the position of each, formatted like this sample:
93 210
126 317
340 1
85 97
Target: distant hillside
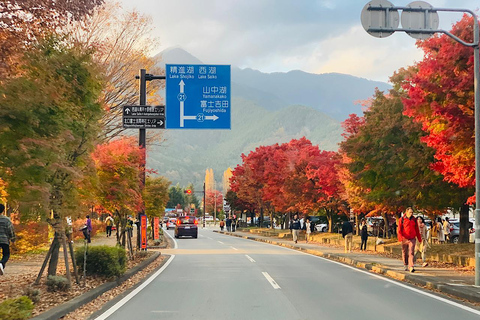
185 154
266 109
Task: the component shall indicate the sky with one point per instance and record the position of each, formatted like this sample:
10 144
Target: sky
315 36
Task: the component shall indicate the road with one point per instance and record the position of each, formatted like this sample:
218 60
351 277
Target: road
223 277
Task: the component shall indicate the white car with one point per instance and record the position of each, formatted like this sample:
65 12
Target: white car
322 227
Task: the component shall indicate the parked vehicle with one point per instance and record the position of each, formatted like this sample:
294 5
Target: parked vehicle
455 230
322 227
186 227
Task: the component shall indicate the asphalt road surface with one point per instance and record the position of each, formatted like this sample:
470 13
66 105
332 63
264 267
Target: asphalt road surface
224 277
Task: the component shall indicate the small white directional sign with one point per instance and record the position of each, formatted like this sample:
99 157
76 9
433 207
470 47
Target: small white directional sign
144 117
198 96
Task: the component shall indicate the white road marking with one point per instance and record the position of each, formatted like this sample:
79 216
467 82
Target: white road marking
270 279
209 238
220 242
233 248
455 304
175 244
249 258
132 294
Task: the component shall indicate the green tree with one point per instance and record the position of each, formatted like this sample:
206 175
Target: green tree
176 197
191 199
49 119
155 196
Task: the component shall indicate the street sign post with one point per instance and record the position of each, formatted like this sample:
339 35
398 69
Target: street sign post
198 96
143 117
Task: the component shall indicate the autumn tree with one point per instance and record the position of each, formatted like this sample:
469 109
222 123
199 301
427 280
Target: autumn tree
441 99
155 196
386 158
176 197
25 23
122 44
119 166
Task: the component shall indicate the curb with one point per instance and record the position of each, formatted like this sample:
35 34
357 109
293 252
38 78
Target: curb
69 306
376 268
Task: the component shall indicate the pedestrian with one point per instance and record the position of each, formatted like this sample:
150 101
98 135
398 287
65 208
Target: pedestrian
422 245
440 233
363 235
222 224
308 229
446 229
234 223
129 226
229 224
295 227
88 223
407 232
347 233
7 235
109 223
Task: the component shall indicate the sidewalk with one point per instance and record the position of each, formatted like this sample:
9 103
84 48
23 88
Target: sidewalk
446 280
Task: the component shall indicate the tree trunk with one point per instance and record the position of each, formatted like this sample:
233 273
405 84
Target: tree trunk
271 220
52 265
464 225
330 221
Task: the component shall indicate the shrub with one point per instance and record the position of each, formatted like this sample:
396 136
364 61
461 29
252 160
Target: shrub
30 236
103 261
57 283
16 309
32 293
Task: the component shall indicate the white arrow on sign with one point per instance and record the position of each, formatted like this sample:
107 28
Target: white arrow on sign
200 117
127 111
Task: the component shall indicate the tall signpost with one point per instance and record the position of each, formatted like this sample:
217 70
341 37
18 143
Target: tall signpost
197 97
419 19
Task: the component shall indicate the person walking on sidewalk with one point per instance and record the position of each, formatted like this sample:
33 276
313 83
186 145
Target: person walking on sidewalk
446 229
347 233
422 245
229 224
363 235
7 235
440 233
308 229
295 227
109 223
222 224
407 232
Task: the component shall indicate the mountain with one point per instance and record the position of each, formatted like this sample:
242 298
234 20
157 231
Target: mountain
266 109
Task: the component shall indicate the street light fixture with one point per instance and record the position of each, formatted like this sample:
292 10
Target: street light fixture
420 21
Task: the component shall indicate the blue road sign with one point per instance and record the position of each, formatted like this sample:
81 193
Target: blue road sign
198 96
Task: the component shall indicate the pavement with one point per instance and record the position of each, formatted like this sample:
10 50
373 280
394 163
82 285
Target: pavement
449 281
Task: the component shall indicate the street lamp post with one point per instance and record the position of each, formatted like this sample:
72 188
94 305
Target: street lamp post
420 20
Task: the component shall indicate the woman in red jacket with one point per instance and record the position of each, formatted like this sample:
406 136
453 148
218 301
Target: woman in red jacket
407 232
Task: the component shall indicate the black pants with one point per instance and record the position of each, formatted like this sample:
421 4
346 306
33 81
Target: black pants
5 253
363 245
109 231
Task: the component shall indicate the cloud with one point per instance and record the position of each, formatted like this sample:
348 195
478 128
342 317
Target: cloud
282 35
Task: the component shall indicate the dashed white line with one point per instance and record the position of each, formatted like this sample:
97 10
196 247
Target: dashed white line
233 248
220 242
270 279
249 258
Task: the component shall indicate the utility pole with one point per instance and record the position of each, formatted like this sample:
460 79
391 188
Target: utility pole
204 204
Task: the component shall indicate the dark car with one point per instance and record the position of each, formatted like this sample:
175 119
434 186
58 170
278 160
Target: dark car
186 227
455 230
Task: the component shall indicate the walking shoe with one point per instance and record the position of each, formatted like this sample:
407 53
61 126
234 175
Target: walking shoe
412 270
405 268
2 272
424 264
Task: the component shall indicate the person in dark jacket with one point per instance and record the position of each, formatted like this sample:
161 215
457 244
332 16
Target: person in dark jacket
407 232
7 235
363 235
228 223
347 233
295 227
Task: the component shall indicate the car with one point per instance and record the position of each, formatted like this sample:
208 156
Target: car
322 227
455 230
171 222
186 227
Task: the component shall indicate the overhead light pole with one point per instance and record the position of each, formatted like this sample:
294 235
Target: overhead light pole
380 18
